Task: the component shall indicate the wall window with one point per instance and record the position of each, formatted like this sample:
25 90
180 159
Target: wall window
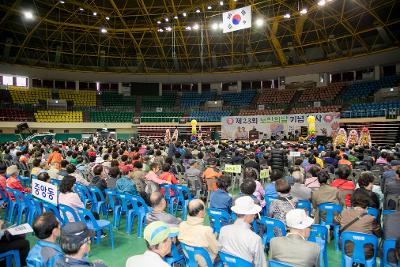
7 80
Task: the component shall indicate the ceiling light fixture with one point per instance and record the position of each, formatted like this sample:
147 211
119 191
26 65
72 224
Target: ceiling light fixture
321 2
107 18
198 11
188 28
196 26
81 9
184 14
28 15
221 3
175 17
103 30
94 13
168 29
259 22
214 26
303 11
166 19
286 16
209 7
158 22
62 2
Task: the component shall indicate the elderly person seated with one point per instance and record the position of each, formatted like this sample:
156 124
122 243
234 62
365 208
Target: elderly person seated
366 183
221 199
285 202
238 239
294 249
193 232
364 224
299 190
158 213
13 182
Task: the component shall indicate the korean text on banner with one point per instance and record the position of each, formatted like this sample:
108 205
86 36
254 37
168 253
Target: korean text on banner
233 168
236 19
45 191
294 154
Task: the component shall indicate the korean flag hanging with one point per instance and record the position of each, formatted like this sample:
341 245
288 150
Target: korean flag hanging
237 19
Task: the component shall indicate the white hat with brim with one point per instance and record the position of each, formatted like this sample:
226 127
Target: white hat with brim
298 219
245 206
13 169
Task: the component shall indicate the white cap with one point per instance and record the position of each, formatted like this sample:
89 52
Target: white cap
245 206
298 219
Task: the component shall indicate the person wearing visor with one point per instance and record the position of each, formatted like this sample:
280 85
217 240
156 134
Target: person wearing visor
75 242
158 240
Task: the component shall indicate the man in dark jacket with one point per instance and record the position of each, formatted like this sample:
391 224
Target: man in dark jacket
278 158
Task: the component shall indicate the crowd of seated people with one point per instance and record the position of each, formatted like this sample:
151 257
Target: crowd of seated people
363 183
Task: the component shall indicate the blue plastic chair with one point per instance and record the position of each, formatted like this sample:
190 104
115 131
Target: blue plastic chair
12 205
192 251
233 261
168 198
112 204
274 263
35 208
96 225
218 218
139 211
83 193
48 207
9 255
268 201
330 209
3 200
386 212
319 235
175 256
359 240
373 212
182 202
270 225
25 181
55 182
126 207
65 210
99 202
389 244
306 205
23 205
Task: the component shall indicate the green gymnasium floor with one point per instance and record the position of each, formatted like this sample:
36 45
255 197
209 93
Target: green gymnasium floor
129 245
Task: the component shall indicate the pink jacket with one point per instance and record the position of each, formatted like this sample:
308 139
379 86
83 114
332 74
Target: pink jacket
152 176
72 200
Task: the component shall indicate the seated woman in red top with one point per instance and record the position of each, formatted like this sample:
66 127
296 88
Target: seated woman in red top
168 176
345 185
13 182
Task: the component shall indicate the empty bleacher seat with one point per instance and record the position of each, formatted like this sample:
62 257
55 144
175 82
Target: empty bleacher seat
211 116
80 98
161 116
29 96
275 96
58 116
111 116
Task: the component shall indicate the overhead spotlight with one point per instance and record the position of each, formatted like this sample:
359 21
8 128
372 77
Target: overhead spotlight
94 13
28 15
107 18
321 2
259 22
303 11
158 22
62 2
81 9
188 28
168 29
160 30
175 17
166 19
391 90
221 26
209 7
214 26
184 14
196 27
286 16
221 3
103 30
198 10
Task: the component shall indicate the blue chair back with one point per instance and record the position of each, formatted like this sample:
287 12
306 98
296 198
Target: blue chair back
270 225
175 256
182 192
64 209
388 245
48 207
191 252
359 240
233 261
319 235
306 205
83 193
124 200
331 209
373 212
268 201
97 195
167 194
139 204
274 263
87 217
9 256
111 198
386 212
55 182
218 218
35 208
